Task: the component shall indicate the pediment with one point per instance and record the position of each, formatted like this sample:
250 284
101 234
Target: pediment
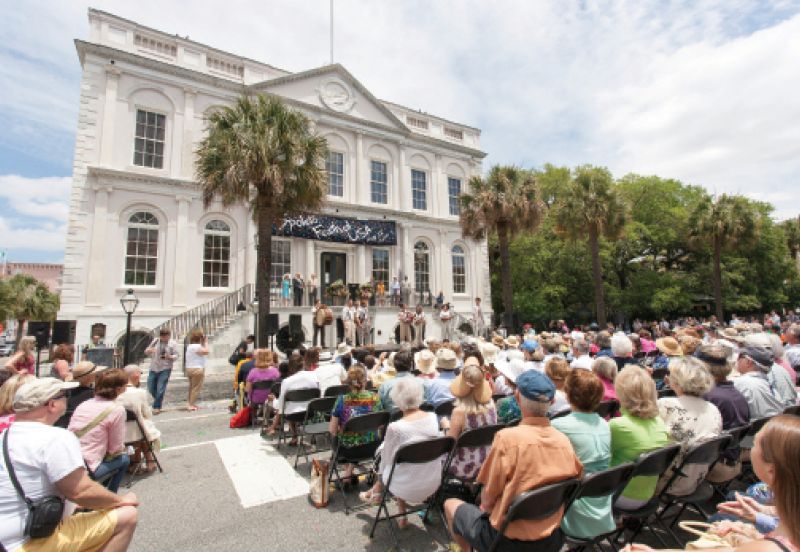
332 88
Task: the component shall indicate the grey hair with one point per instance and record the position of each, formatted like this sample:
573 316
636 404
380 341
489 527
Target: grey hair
534 408
691 375
132 369
621 345
758 339
581 346
605 367
776 345
407 393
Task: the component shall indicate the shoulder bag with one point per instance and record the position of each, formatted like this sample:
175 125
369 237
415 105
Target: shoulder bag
44 515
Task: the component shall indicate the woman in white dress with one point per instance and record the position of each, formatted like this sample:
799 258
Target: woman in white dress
136 400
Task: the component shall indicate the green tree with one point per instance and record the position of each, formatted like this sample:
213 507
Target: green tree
791 228
723 223
262 154
591 207
504 203
23 298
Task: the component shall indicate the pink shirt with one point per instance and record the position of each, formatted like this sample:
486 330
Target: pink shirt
609 392
106 437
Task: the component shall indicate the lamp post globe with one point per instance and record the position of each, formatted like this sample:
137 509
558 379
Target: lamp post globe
129 302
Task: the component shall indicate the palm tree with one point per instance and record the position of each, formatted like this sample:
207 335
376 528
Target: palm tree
591 207
791 228
262 154
505 202
23 298
724 223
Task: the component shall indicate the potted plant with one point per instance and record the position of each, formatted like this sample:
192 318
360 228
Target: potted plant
366 290
337 292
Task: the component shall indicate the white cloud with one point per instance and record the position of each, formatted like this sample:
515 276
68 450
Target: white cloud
36 198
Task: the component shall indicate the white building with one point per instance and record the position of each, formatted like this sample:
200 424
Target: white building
136 215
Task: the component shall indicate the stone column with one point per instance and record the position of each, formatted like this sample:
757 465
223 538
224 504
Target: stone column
109 116
310 260
361 264
180 268
97 279
403 190
435 191
184 160
445 283
360 197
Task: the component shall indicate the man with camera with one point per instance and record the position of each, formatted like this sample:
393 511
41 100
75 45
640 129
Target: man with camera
164 352
42 466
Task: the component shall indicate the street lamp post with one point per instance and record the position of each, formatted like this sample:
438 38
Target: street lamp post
255 315
129 302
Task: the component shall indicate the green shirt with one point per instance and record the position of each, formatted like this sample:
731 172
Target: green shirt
630 437
591 438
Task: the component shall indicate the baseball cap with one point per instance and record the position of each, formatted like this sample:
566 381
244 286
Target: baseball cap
536 386
760 355
530 345
36 393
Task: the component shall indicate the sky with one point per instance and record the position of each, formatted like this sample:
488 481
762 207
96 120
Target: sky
705 92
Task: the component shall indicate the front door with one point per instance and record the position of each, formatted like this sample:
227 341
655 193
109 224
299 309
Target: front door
334 267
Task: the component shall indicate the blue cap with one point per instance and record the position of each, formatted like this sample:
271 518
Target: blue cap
536 386
530 345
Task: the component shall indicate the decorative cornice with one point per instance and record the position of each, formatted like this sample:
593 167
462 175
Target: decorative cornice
130 176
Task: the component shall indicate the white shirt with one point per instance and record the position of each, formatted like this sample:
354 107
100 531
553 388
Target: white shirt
411 482
41 456
446 315
193 358
301 380
782 384
583 361
347 314
135 400
477 314
328 374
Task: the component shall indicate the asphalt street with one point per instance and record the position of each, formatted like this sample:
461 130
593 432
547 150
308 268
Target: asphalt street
196 504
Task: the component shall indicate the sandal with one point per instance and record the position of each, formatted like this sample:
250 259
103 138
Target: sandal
369 497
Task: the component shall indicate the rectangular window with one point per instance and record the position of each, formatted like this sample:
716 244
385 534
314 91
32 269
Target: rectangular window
416 122
216 260
419 190
380 266
148 149
335 167
141 256
459 273
454 192
378 183
454 133
281 260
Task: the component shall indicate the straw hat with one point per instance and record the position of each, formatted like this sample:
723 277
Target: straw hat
498 341
513 342
489 352
512 369
425 361
669 346
446 359
84 368
342 349
471 382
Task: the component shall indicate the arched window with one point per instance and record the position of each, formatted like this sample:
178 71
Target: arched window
216 254
141 252
459 270
422 268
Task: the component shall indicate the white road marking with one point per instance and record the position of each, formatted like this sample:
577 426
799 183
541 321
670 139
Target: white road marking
190 445
199 416
258 472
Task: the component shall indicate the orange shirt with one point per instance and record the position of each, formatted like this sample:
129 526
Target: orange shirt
521 459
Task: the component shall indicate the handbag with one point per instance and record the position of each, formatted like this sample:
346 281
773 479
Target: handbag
318 491
709 539
241 418
44 515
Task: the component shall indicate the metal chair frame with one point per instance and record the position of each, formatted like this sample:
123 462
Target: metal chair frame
147 447
324 406
297 395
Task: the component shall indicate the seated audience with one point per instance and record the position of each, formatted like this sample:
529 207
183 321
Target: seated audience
668 347
403 363
606 369
7 392
48 462
328 373
99 424
411 482
473 408
356 402
298 379
753 364
84 373
264 369
622 350
591 438
438 389
689 418
522 458
136 400
507 408
639 429
557 369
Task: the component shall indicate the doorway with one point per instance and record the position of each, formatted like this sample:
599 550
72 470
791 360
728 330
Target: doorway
334 267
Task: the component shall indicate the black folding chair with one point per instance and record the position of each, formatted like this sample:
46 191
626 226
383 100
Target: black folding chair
275 391
362 456
747 475
315 424
146 445
610 482
426 407
792 410
731 456
497 396
607 408
537 504
255 407
705 454
395 415
336 390
444 410
652 464
660 373
420 452
560 414
296 396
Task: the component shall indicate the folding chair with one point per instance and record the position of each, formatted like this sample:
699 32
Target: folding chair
420 452
373 421
705 454
427 407
732 450
296 396
607 408
256 406
444 410
747 475
610 482
660 373
147 447
666 392
560 414
316 423
395 415
652 463
539 503
792 410
336 390
497 396
275 391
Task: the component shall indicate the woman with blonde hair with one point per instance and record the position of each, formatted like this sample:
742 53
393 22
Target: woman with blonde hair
7 392
639 429
557 369
196 354
23 361
473 408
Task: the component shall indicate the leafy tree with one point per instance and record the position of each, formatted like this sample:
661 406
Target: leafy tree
791 228
23 298
265 155
723 224
504 203
591 208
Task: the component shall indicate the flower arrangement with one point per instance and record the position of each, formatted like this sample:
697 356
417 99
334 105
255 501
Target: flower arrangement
337 289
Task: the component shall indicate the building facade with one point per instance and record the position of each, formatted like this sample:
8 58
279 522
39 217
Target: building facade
136 215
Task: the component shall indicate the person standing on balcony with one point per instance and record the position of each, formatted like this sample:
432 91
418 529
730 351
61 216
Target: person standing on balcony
395 292
164 352
196 354
312 284
297 289
286 290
